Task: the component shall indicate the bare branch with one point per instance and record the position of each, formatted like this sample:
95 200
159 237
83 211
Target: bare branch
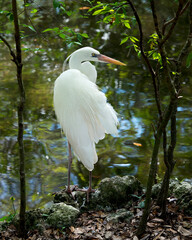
152 72
141 39
184 50
162 52
174 22
173 19
10 49
155 19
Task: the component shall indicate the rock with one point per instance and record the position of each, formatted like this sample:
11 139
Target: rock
58 215
112 193
61 214
34 218
182 191
120 215
117 191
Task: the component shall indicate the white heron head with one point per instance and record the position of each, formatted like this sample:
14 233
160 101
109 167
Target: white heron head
89 54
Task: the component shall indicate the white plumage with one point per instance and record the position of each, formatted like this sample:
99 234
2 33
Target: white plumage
81 109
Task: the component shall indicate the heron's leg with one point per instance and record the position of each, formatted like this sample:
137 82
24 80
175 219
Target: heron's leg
89 190
69 168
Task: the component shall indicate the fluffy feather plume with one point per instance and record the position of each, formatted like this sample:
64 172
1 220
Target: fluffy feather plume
83 113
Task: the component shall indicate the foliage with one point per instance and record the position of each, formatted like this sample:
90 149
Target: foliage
9 218
68 35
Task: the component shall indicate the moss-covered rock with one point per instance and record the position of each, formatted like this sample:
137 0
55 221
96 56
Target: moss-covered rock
58 215
180 190
112 193
34 219
117 191
61 214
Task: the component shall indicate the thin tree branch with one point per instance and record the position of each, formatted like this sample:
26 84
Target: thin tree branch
155 20
162 51
174 22
141 38
173 19
151 70
10 49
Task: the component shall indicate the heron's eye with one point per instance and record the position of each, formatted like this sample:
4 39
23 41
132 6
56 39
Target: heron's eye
94 55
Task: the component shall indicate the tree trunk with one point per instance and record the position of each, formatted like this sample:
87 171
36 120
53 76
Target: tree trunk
21 104
153 167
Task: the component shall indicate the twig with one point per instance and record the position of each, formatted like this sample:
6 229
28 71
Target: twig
10 49
173 19
141 38
174 22
185 48
162 51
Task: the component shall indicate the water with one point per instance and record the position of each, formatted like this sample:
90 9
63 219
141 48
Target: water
129 89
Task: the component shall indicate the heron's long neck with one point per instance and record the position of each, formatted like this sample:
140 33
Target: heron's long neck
75 62
85 67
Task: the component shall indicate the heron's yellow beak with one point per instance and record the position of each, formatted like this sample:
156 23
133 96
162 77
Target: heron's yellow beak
106 59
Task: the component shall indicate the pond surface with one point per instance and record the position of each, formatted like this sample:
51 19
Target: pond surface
129 89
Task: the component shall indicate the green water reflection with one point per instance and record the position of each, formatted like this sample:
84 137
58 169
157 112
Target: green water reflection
128 89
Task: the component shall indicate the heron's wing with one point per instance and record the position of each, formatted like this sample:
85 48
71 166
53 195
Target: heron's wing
83 113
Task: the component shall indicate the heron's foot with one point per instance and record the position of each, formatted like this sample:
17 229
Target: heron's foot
88 191
70 189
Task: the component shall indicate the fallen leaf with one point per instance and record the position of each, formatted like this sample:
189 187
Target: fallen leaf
184 231
79 230
72 229
158 236
159 220
171 230
84 8
145 237
108 234
116 238
137 144
150 224
180 218
135 238
187 224
176 238
167 226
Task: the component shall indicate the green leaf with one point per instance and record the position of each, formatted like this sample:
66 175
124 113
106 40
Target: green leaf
62 35
11 17
174 73
56 4
97 6
2 11
133 39
30 27
34 10
188 61
51 29
48 30
100 11
125 22
8 14
85 35
4 218
124 40
27 4
79 37
127 25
